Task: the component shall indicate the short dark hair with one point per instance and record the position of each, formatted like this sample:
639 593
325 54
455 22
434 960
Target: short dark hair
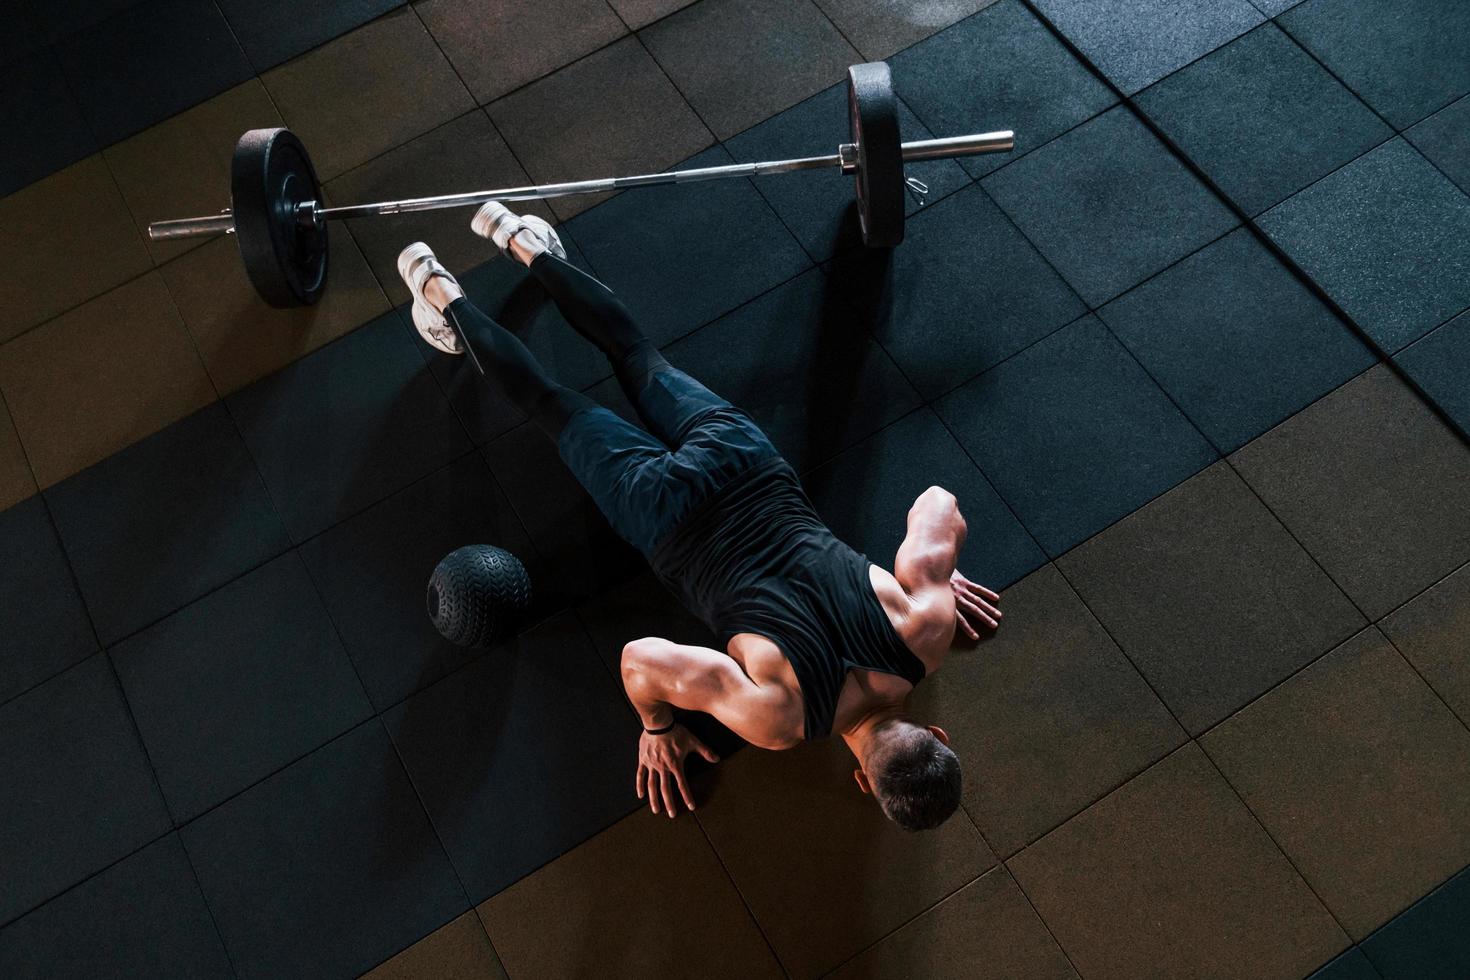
917 781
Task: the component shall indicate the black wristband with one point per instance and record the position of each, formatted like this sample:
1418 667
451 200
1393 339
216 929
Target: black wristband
660 731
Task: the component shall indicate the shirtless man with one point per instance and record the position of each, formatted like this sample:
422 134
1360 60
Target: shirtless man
817 638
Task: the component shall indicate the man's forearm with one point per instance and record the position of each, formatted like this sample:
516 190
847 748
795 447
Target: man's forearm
654 712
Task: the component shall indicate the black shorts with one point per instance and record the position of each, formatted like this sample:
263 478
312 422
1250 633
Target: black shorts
645 488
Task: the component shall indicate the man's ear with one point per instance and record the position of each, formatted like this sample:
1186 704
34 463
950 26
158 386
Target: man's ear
862 780
939 733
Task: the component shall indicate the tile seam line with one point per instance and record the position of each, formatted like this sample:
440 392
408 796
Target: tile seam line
739 892
1249 222
1190 739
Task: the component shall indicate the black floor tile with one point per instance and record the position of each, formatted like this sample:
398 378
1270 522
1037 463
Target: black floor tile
1108 205
149 62
38 109
327 868
1445 139
1351 965
799 362
274 31
78 790
1388 238
1236 340
373 571
818 206
741 61
1073 434
964 292
1262 118
865 494
1171 583
1406 58
1384 514
239 684
1138 42
565 524
520 756
57 20
20 33
505 290
46 626
1440 365
142 917
1000 69
1428 941
643 607
159 524
679 256
1273 7
347 425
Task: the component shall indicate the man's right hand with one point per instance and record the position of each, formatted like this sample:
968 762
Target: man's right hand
661 767
972 601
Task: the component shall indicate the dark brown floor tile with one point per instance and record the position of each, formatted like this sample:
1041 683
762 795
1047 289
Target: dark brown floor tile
181 167
368 91
640 13
1359 773
645 898
499 45
985 929
823 870
101 377
1374 486
458 950
1046 715
741 61
1433 632
612 113
242 339
63 240
1209 596
461 155
16 481
880 28
1171 876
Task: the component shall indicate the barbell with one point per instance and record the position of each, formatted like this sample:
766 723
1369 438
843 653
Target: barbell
278 219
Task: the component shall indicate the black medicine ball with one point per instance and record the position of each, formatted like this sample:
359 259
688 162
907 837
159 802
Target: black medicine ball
475 592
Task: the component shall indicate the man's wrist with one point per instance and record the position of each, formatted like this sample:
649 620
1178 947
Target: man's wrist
659 731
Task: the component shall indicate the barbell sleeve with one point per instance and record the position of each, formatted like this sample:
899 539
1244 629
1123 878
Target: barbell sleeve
932 149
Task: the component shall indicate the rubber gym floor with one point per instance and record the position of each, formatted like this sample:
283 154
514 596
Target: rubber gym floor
1193 358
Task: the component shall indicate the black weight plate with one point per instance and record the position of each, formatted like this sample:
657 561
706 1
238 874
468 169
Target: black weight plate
270 176
873 125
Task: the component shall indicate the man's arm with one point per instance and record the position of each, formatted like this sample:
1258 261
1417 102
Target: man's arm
660 675
925 565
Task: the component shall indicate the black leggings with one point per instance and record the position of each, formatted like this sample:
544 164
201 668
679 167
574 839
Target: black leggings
595 313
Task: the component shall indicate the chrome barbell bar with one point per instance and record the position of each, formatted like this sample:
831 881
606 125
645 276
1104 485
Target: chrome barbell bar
845 160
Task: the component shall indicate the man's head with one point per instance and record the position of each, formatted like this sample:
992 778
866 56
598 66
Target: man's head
912 771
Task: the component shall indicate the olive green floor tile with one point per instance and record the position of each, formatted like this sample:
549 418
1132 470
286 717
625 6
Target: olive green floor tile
1362 776
367 92
1171 876
180 168
64 240
825 873
1433 632
101 377
644 898
241 338
458 950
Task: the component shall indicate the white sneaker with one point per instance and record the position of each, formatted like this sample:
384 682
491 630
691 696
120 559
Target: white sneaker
498 223
416 264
